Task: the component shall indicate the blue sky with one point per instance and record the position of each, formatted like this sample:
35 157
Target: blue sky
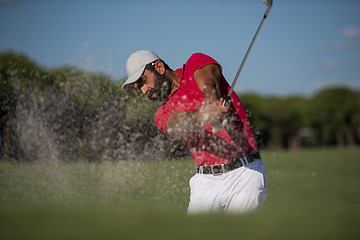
302 47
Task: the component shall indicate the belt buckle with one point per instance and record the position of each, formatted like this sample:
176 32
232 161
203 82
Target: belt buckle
221 170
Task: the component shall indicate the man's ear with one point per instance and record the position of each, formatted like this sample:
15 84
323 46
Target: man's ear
160 67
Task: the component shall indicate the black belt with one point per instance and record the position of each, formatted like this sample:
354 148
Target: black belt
219 169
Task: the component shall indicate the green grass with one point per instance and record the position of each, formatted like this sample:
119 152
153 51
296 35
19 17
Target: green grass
312 194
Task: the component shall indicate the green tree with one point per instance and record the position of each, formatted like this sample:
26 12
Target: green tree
68 114
18 77
277 121
334 111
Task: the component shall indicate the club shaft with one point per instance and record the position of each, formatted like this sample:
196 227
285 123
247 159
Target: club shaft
246 55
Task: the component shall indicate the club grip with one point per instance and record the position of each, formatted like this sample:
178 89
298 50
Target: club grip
227 101
218 126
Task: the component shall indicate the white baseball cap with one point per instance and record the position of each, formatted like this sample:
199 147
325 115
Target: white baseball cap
135 66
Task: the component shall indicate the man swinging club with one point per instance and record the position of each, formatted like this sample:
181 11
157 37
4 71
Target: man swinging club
199 108
230 173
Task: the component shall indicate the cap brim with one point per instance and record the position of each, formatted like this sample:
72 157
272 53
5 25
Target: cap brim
128 86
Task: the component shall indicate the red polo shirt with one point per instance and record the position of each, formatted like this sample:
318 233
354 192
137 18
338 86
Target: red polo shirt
208 148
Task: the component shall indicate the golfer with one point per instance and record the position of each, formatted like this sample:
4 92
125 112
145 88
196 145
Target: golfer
230 175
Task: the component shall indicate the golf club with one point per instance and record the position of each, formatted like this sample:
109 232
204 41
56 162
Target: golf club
217 127
269 4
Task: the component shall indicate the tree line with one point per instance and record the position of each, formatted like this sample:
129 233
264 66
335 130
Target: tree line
330 118
68 114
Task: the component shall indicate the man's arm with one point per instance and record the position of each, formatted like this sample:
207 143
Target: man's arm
208 80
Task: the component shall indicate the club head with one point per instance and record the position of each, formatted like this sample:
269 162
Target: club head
267 2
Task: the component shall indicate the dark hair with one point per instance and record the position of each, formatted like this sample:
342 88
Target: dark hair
151 66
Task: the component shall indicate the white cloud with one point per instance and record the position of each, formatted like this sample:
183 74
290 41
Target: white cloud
331 64
351 32
350 40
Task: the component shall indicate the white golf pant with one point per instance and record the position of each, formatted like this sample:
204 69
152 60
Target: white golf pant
237 191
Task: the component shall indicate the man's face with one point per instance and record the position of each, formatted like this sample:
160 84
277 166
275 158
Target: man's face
155 86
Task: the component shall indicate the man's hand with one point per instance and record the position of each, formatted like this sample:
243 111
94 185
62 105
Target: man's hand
208 80
180 123
213 112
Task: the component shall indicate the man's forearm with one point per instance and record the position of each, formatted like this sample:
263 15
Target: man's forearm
181 123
